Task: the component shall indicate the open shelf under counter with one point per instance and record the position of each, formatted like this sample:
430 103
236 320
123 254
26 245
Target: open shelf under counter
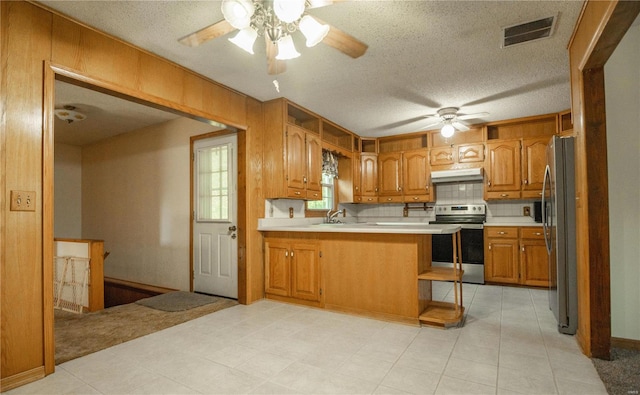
442 313
441 274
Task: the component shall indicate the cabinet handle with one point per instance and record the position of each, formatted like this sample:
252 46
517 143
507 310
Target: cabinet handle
304 179
399 189
502 233
376 189
489 182
286 253
427 187
415 198
540 193
538 234
370 199
357 188
504 195
297 193
522 248
291 253
389 199
525 182
489 246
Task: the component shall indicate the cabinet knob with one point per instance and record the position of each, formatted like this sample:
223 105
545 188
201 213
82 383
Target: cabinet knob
415 198
291 253
489 182
297 193
538 234
357 188
286 253
389 199
504 194
502 233
489 246
304 179
525 182
522 248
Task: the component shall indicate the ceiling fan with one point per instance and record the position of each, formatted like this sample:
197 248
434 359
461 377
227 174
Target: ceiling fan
276 20
451 120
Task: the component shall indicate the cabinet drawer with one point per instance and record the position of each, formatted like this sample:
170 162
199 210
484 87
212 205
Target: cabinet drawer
296 193
531 194
314 195
503 195
531 233
390 199
470 153
501 231
416 198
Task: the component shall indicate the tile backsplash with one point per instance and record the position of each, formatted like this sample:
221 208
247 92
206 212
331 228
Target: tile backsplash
448 193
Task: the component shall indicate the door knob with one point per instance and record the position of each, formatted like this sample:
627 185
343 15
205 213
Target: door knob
232 228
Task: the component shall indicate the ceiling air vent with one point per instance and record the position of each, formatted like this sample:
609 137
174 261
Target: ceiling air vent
528 31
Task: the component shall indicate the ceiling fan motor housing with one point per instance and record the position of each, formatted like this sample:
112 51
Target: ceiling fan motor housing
448 113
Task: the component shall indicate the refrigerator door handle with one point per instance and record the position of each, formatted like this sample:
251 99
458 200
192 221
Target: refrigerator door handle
545 224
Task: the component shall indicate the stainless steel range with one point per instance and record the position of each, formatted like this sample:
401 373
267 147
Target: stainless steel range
470 217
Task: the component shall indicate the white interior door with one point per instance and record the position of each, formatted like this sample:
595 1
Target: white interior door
215 243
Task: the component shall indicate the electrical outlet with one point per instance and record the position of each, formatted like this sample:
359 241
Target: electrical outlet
526 211
23 201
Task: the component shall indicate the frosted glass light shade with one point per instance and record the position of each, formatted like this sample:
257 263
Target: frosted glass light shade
447 130
245 39
313 30
238 12
288 10
286 49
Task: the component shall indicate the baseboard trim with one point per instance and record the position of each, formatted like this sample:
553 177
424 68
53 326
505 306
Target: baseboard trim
20 379
630 344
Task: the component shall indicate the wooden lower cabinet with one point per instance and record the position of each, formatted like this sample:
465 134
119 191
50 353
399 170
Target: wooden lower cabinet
292 269
515 256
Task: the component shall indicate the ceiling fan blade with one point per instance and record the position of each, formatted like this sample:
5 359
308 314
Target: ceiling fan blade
431 116
274 66
460 126
344 42
472 116
432 125
319 3
208 33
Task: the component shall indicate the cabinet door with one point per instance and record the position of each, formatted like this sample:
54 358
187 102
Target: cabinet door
501 260
502 166
357 175
441 156
534 161
277 270
470 153
305 271
369 178
389 173
534 263
296 156
314 165
415 180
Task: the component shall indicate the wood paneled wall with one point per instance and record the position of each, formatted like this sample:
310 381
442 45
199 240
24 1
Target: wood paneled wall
33 39
601 26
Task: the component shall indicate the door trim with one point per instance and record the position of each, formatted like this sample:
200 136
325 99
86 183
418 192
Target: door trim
240 198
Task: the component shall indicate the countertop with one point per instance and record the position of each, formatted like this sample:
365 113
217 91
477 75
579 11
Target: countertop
362 227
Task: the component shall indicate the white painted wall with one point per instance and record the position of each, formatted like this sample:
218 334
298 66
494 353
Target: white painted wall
135 190
622 85
67 192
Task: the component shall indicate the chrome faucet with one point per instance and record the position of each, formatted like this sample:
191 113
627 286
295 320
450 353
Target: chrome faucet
331 217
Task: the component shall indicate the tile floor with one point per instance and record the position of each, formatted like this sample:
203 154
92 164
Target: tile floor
508 345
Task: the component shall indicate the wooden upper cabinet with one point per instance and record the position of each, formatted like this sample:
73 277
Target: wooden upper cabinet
441 156
415 175
313 148
296 160
369 176
390 174
534 161
502 167
470 153
357 177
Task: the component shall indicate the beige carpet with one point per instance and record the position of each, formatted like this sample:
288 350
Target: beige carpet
81 334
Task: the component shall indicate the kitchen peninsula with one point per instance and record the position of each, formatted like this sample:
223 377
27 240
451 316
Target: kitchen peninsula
382 269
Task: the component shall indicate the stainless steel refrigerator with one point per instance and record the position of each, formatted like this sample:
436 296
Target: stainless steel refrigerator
559 222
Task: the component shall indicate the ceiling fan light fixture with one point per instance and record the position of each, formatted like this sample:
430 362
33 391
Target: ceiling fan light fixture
286 49
447 130
238 12
313 30
288 10
245 39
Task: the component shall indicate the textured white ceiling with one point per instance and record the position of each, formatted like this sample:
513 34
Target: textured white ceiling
423 55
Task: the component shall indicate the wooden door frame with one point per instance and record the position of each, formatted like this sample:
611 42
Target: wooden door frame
53 72
600 28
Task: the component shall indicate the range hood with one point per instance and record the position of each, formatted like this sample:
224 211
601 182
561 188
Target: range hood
440 176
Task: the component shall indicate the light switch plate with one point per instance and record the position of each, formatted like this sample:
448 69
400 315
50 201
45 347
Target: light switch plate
23 201
526 211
